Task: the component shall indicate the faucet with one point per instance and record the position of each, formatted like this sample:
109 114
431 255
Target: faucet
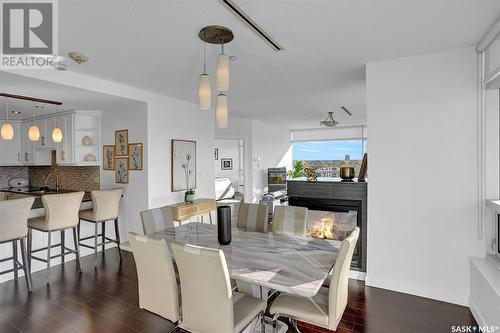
57 180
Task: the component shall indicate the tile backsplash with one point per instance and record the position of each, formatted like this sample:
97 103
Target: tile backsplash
7 173
86 178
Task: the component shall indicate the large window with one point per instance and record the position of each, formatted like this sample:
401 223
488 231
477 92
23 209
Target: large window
326 156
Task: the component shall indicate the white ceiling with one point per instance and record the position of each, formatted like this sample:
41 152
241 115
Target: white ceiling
153 44
72 98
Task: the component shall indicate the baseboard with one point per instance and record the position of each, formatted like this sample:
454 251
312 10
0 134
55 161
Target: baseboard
432 293
357 275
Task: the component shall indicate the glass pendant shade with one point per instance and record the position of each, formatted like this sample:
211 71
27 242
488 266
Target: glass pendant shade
34 133
57 135
221 111
204 92
7 132
222 83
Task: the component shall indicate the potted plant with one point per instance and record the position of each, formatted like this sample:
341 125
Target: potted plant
189 196
297 171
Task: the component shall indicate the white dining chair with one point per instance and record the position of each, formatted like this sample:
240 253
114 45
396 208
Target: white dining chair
14 227
290 220
327 307
158 290
252 217
157 219
208 303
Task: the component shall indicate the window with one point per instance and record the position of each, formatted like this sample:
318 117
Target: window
326 156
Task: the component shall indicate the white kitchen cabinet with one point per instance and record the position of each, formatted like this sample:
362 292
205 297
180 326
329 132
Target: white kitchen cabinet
65 148
11 149
27 146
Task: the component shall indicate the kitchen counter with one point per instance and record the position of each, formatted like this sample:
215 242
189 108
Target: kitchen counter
37 210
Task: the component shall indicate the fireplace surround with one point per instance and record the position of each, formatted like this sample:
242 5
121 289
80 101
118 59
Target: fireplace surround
344 198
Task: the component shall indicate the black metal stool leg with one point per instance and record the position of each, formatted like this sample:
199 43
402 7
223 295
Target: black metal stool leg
77 249
103 236
63 238
27 273
14 255
47 274
30 244
117 232
95 244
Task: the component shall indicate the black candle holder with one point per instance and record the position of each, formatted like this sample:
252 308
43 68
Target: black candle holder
224 225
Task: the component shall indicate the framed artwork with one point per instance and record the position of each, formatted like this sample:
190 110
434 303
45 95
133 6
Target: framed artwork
121 169
121 142
183 165
135 156
363 169
216 153
226 164
108 157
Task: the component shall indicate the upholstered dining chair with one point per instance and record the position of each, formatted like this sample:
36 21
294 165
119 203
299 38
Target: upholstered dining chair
14 225
208 303
327 307
106 204
252 217
290 220
61 213
156 219
158 290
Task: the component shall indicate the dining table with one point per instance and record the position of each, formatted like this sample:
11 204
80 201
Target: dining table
292 264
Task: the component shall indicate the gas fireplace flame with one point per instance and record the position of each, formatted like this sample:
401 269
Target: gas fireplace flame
323 228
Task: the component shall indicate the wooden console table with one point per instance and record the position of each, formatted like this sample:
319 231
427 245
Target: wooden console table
183 211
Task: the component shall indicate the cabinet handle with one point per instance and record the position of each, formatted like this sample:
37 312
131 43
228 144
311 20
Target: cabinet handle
63 155
43 141
26 157
19 157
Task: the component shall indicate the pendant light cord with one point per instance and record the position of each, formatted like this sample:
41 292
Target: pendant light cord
7 108
204 53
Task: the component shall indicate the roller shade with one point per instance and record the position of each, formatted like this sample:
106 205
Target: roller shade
337 133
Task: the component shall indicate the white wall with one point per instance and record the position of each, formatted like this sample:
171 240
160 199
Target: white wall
422 193
133 118
228 148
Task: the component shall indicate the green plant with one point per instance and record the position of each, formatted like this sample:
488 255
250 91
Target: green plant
189 192
297 171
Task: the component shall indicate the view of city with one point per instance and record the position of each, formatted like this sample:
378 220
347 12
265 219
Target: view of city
326 156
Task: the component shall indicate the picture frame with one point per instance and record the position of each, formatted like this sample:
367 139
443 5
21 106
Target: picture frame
226 164
363 169
121 142
183 165
108 157
121 170
135 156
216 153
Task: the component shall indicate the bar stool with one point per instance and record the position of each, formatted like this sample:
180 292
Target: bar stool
61 213
105 208
14 225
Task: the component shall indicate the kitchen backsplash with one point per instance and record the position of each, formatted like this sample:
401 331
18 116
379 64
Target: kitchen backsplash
86 178
7 173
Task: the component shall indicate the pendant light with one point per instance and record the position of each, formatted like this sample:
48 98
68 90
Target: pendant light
34 132
57 133
222 82
7 131
221 111
204 89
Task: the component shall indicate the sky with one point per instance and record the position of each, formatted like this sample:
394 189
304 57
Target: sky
327 150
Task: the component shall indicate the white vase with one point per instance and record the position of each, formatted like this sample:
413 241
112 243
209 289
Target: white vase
190 198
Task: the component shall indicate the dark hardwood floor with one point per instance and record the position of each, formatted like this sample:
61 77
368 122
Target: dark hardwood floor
105 300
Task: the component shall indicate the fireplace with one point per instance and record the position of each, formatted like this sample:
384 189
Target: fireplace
333 219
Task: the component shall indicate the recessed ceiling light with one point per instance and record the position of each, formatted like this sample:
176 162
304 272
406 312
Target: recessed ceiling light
79 57
59 66
233 58
15 112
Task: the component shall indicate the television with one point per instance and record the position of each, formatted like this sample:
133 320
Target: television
276 179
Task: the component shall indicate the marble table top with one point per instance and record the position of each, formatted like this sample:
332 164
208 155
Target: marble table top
287 263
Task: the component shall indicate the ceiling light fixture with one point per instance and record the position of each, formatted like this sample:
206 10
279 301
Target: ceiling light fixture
79 57
57 132
216 34
7 131
204 89
329 121
34 132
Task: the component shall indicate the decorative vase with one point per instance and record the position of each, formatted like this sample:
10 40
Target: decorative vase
189 198
224 225
347 172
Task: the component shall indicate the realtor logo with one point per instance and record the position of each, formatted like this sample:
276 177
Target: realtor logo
29 33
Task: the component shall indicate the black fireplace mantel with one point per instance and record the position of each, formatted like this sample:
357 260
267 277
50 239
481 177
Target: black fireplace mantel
337 192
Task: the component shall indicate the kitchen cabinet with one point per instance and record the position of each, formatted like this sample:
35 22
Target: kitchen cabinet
65 154
11 149
27 146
